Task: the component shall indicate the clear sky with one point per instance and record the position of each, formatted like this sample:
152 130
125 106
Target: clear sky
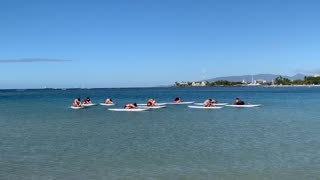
119 43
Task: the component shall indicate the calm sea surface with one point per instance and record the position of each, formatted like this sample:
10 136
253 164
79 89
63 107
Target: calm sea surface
42 138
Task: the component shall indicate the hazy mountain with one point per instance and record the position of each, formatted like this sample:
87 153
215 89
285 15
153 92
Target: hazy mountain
297 76
248 78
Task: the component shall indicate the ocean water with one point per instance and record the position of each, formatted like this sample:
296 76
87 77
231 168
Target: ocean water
42 138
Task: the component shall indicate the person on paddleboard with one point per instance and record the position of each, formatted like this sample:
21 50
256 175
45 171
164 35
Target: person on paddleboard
238 102
77 102
209 102
151 102
109 101
87 101
177 100
131 106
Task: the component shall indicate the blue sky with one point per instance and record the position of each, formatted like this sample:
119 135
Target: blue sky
131 43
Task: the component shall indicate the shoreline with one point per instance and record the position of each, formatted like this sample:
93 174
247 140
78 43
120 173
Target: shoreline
262 86
275 86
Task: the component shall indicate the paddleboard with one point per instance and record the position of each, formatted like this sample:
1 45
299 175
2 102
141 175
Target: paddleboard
128 110
152 107
203 107
104 104
73 107
243 106
88 105
157 104
181 103
217 104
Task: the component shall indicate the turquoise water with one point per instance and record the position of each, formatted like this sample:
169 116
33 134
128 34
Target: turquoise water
41 138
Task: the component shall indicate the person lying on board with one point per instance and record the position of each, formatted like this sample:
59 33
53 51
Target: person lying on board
87 101
238 102
209 102
177 100
131 106
77 102
109 101
151 102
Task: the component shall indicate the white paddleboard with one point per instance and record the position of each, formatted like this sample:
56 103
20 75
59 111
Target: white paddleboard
216 104
157 104
152 107
73 107
243 106
128 110
88 105
203 107
104 104
181 103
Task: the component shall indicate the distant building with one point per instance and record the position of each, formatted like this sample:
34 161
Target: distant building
182 83
260 81
195 84
203 83
254 84
199 83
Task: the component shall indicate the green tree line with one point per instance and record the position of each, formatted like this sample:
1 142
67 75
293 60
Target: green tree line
308 80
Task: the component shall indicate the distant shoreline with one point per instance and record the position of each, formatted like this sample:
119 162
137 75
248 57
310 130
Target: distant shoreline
268 86
279 86
261 86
